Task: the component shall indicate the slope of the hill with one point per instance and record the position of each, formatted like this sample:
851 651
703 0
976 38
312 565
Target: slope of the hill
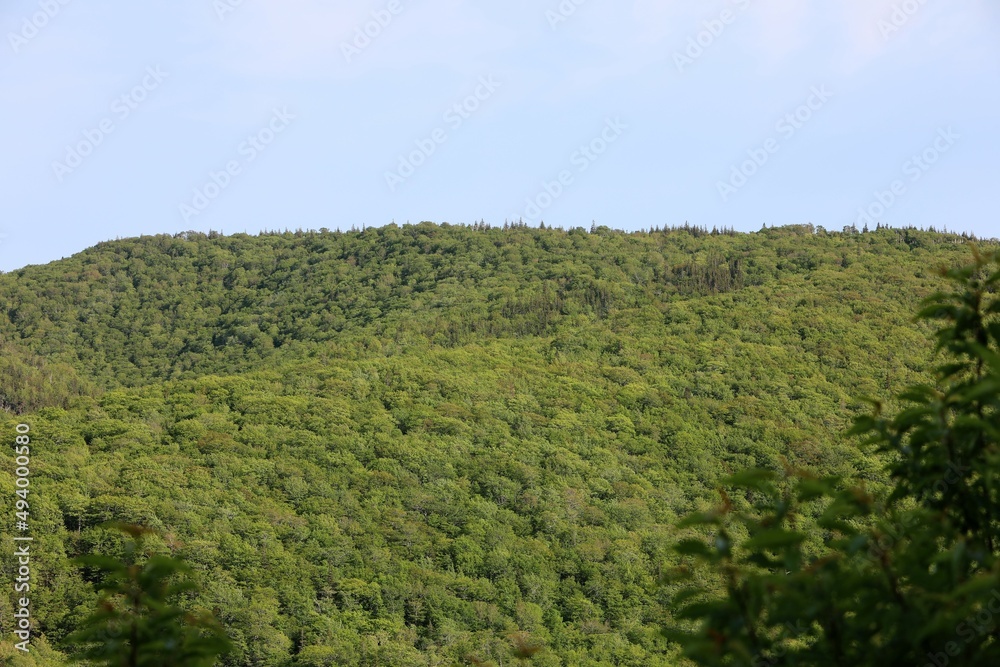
153 308
400 446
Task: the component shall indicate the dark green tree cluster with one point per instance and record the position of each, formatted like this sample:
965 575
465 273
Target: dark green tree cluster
818 571
31 383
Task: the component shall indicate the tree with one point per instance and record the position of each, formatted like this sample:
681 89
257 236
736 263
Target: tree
818 571
405 444
135 624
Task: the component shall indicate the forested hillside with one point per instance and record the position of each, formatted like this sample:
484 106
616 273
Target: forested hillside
405 446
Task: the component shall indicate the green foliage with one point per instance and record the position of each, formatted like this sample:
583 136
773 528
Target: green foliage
815 571
42 654
435 444
136 624
30 383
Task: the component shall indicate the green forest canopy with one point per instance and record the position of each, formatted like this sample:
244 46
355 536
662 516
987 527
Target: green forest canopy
401 446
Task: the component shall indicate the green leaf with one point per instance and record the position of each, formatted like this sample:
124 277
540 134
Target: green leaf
758 479
774 539
694 547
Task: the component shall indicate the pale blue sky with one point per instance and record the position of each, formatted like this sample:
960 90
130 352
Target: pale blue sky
617 99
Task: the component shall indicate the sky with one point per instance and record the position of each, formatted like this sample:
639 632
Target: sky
128 118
